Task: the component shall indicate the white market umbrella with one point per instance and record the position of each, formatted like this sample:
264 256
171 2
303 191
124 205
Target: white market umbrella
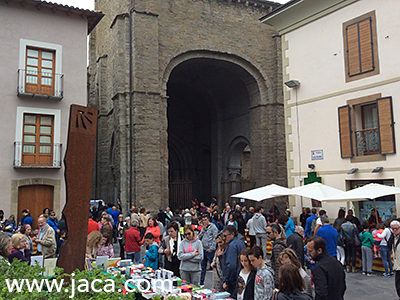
263 193
368 191
315 190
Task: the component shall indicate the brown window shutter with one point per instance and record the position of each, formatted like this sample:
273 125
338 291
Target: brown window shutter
360 47
367 61
346 147
386 125
353 52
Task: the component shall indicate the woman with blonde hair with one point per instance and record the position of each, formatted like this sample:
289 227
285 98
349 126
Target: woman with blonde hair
288 256
20 249
143 222
217 262
92 244
291 284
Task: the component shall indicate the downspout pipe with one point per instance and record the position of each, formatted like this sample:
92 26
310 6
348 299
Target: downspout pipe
131 135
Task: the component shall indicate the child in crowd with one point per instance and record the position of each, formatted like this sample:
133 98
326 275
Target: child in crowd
377 244
264 281
63 236
367 243
309 262
150 259
106 246
246 278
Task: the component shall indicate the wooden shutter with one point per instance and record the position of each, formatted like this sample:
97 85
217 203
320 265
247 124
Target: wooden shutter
386 125
346 147
360 47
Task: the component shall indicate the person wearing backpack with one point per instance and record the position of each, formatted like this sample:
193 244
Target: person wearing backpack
386 249
274 232
317 223
349 232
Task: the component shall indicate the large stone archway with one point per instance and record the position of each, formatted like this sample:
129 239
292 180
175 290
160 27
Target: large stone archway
203 74
209 106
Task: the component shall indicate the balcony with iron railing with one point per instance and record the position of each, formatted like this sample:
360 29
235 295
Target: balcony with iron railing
26 156
367 141
40 84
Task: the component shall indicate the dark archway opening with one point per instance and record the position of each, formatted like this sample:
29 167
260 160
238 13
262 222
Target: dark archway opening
208 107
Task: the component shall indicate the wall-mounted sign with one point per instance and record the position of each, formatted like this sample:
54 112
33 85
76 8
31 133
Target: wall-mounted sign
317 154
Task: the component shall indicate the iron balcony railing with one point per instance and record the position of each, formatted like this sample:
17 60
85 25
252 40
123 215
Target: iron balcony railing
37 155
367 141
40 84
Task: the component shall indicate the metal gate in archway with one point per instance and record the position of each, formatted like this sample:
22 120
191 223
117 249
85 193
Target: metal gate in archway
180 194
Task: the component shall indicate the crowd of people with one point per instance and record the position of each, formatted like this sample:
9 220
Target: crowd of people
308 261
191 241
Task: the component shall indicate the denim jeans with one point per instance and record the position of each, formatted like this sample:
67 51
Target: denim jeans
136 257
208 257
386 259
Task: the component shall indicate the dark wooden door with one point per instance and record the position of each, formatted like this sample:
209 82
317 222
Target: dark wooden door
35 198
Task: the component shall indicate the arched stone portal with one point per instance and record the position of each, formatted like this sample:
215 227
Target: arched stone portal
208 106
203 74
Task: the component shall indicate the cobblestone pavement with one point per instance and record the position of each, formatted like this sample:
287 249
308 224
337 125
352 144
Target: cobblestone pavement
359 287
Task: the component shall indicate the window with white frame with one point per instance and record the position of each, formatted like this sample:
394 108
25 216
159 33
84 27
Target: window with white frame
40 70
37 140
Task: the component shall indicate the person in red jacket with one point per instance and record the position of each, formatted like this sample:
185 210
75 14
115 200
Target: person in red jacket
92 225
154 229
132 243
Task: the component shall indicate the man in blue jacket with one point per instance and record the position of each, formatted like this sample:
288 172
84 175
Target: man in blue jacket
330 236
230 259
52 221
114 214
309 222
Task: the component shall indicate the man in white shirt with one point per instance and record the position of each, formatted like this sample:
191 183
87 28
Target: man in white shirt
395 226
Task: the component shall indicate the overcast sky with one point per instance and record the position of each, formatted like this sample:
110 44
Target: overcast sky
89 4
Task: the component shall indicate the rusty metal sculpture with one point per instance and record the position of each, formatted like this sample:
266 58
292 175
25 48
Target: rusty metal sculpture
78 163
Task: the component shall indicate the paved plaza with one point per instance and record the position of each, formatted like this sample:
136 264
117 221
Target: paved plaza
359 287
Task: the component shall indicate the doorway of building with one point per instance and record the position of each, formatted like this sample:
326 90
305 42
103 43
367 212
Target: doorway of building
35 198
208 107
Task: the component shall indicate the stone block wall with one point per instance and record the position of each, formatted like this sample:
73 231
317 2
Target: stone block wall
165 34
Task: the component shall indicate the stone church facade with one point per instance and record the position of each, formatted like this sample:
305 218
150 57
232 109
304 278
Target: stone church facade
190 101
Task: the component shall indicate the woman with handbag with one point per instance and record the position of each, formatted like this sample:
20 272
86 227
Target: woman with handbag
350 234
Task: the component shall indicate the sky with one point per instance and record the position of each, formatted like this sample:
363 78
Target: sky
89 4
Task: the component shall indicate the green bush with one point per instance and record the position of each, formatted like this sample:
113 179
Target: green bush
21 271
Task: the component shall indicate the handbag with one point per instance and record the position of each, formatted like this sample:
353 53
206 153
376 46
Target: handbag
357 241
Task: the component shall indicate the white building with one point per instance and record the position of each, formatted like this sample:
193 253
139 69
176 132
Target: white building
43 72
342 117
